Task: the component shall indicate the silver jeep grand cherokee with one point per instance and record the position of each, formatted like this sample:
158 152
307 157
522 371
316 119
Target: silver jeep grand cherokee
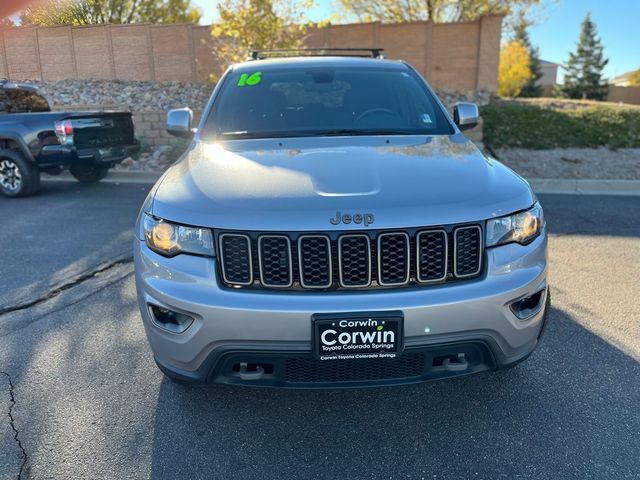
329 226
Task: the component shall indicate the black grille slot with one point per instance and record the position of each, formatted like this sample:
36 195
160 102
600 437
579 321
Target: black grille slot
393 258
314 252
468 251
309 370
354 260
237 266
431 251
275 261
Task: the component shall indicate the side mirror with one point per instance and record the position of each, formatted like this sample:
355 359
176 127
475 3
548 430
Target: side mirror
465 115
179 122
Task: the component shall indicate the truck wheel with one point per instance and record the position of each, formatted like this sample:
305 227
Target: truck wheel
18 177
89 173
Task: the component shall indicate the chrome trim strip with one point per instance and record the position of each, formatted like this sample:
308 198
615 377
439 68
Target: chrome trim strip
455 251
328 240
222 262
354 235
446 255
408 262
288 240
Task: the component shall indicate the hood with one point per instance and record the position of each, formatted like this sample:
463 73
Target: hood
300 184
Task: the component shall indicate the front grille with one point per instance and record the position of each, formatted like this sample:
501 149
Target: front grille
310 370
314 255
468 251
276 267
431 261
393 258
354 257
339 260
235 255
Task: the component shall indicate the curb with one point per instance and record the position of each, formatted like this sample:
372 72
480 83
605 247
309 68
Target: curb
112 177
539 185
585 186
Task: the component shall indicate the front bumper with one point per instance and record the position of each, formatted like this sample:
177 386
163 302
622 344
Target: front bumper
273 329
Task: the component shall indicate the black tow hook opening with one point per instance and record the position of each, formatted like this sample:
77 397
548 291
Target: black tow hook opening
527 307
173 321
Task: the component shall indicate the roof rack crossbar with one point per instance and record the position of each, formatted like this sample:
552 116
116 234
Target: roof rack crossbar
294 52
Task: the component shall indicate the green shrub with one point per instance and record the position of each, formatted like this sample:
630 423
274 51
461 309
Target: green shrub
527 125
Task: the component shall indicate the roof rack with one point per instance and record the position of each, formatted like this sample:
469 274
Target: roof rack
317 52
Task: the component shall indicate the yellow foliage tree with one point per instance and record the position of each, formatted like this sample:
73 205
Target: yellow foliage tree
258 24
515 70
634 78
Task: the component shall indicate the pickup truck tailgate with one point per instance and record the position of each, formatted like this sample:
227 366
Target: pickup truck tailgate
102 129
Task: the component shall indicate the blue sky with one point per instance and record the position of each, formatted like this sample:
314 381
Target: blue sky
558 30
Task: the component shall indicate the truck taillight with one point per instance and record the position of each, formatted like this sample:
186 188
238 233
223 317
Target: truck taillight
64 132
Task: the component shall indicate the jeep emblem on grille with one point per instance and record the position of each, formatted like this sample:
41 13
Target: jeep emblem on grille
360 218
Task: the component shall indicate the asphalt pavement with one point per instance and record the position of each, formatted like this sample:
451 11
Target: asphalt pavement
80 396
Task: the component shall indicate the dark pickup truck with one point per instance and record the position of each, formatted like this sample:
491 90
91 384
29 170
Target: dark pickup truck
33 139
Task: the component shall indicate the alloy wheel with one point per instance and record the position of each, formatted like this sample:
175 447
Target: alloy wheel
10 176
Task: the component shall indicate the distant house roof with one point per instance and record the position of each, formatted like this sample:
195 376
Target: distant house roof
546 62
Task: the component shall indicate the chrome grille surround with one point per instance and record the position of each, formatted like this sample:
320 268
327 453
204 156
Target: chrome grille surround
224 247
445 255
301 261
479 246
407 254
341 261
261 261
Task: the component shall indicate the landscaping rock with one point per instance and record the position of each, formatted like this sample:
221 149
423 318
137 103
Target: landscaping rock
581 163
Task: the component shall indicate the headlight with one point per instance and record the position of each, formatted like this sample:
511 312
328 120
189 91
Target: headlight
169 239
520 227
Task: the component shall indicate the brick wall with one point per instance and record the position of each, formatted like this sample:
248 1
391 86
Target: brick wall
454 56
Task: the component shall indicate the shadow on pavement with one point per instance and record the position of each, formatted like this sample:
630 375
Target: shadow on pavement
66 230
570 411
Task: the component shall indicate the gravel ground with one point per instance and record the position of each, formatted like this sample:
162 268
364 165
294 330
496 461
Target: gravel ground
581 163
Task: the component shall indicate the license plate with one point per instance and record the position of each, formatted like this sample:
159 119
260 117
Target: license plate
343 338
110 152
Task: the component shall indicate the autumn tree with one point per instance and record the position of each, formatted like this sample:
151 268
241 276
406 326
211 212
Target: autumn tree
86 12
514 71
393 11
634 78
244 25
584 70
521 34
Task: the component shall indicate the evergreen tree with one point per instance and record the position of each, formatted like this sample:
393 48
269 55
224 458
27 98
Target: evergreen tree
583 77
521 34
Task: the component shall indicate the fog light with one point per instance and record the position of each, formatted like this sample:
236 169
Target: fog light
175 322
527 307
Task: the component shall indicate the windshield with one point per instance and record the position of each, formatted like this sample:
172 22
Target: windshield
298 101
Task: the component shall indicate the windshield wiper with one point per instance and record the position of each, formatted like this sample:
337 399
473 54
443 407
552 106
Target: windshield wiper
360 131
243 134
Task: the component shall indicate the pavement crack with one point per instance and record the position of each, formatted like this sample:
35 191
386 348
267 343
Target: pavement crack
54 292
16 432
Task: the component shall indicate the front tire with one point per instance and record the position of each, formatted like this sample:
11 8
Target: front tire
89 173
18 177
